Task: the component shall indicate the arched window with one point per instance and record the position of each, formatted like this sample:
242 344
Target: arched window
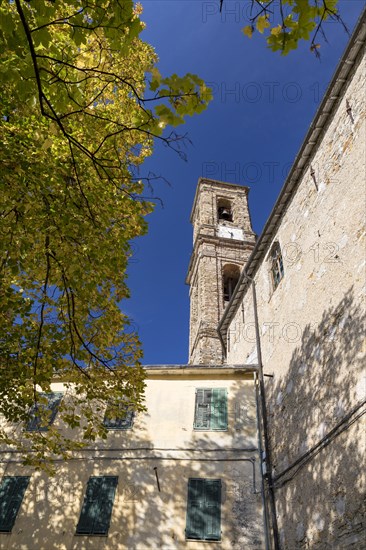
224 210
276 264
230 278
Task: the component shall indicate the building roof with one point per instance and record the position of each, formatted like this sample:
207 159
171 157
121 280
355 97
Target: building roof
199 370
307 150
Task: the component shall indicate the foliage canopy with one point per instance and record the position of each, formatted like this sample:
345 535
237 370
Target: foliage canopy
286 22
82 103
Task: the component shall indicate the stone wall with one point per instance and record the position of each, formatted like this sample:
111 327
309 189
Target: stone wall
312 339
211 252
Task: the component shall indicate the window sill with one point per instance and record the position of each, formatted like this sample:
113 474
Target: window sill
203 540
118 429
210 429
90 535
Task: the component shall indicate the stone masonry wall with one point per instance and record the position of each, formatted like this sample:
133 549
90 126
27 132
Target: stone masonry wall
210 254
312 339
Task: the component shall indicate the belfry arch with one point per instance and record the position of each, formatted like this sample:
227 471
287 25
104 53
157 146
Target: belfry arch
230 278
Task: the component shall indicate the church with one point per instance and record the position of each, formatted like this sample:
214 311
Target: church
258 442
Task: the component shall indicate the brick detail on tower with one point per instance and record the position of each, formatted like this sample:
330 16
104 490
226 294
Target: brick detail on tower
222 242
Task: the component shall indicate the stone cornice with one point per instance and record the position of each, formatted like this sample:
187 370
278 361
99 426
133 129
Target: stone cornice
199 370
234 244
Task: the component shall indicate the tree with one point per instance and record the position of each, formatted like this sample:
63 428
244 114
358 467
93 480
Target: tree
82 104
285 22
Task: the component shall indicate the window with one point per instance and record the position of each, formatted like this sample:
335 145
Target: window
230 278
224 211
276 264
12 491
122 419
97 507
211 409
39 421
204 509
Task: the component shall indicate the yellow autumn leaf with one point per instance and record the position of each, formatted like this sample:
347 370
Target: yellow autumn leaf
248 31
262 23
276 30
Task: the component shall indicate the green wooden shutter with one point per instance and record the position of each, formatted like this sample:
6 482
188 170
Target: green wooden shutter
195 528
89 510
97 506
106 499
212 509
219 409
53 401
202 409
204 509
12 491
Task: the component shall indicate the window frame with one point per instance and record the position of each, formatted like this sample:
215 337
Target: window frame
199 503
216 420
9 503
129 414
33 424
92 505
276 265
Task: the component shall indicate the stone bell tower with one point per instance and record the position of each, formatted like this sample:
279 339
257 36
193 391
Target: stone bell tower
222 242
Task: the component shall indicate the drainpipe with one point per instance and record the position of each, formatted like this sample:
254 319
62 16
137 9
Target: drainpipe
260 439
223 347
263 414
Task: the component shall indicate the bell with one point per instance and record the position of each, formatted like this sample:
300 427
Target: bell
225 214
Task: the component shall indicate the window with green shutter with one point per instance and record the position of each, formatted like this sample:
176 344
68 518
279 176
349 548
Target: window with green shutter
204 509
211 409
122 420
40 422
12 491
96 512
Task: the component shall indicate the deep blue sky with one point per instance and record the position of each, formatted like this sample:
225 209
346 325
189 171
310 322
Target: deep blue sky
249 136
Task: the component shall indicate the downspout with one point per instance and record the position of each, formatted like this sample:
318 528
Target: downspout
263 411
265 510
223 347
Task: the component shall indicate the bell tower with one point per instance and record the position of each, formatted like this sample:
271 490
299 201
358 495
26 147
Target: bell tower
222 242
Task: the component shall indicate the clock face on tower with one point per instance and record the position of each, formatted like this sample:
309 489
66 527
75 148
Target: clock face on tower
230 233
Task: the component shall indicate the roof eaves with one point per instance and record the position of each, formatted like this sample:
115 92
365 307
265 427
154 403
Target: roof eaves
310 143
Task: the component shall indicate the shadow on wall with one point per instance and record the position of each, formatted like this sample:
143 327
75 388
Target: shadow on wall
148 513
322 399
52 505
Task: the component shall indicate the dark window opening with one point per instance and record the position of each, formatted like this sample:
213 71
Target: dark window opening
224 210
276 265
120 417
230 280
42 414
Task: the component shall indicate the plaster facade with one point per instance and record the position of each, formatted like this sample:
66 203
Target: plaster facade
163 443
